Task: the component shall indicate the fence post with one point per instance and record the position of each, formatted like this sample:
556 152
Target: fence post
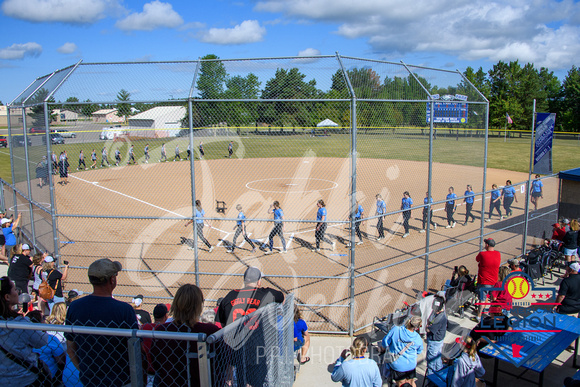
527 195
28 185
192 170
204 364
135 360
2 202
53 215
11 143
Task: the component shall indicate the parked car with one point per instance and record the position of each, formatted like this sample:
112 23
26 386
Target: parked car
3 141
37 130
55 138
64 133
112 132
19 140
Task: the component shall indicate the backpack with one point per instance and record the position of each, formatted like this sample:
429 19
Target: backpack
45 290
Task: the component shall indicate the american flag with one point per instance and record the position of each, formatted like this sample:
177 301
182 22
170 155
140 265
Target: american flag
509 119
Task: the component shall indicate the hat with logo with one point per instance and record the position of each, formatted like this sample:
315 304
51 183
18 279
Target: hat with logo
25 247
48 259
575 266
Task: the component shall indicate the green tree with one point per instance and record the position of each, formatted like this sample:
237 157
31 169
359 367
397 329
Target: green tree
37 112
289 84
88 108
69 105
123 109
571 100
238 87
212 77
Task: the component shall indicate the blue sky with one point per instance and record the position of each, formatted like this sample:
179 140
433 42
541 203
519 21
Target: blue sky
40 36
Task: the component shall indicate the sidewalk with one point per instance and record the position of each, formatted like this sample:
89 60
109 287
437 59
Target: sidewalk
325 349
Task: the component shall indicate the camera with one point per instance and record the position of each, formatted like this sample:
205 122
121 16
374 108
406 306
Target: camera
65 262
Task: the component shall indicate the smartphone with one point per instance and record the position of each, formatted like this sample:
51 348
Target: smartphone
65 262
455 268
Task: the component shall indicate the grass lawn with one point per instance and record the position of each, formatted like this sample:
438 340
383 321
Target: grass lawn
511 155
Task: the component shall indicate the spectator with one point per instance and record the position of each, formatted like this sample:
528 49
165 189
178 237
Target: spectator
358 371
143 317
301 336
569 292
558 232
468 368
8 226
502 297
566 224
18 362
21 268
70 374
54 278
238 303
217 323
436 330
208 317
72 295
101 360
514 265
463 278
53 353
37 260
160 314
169 357
404 340
488 261
570 241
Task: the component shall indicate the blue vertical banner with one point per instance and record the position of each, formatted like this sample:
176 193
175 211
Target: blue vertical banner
545 123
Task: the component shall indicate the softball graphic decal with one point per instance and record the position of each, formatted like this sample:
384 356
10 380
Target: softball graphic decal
518 287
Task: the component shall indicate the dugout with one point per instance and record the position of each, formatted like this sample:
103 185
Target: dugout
569 203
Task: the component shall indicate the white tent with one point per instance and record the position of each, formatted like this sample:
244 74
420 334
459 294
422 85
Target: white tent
326 122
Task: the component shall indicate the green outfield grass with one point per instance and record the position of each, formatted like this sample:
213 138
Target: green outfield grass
512 154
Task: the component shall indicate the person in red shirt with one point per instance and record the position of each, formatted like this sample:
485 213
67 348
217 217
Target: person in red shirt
488 262
502 298
558 232
160 315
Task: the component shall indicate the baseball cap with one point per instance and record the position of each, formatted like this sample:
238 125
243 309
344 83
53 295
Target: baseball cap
575 266
138 299
6 220
513 261
74 293
566 221
556 225
48 259
25 247
252 274
160 310
104 268
490 242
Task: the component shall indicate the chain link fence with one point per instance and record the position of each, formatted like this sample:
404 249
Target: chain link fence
256 350
109 159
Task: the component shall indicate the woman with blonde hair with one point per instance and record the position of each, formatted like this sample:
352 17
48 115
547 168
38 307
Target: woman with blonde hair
54 278
468 368
186 309
358 371
405 341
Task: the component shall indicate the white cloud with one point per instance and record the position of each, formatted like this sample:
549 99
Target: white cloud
192 26
309 52
249 31
65 11
155 15
19 51
67 48
534 31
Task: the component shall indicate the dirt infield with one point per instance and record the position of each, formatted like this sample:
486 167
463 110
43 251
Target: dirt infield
318 279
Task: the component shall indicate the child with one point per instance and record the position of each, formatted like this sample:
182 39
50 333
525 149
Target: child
301 336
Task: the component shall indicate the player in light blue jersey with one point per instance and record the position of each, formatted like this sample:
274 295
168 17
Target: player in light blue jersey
321 226
240 228
381 211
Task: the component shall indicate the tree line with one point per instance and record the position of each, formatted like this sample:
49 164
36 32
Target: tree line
509 87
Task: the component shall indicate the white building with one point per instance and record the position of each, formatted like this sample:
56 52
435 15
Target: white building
158 122
107 115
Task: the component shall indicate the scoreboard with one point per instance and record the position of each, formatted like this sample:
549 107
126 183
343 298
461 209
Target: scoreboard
447 110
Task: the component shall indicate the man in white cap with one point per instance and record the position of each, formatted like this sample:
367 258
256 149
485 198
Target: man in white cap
569 292
101 360
238 303
20 269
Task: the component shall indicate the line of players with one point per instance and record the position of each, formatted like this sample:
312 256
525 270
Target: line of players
507 195
131 155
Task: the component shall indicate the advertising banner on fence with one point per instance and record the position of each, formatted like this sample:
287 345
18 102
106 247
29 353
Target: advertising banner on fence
543 146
